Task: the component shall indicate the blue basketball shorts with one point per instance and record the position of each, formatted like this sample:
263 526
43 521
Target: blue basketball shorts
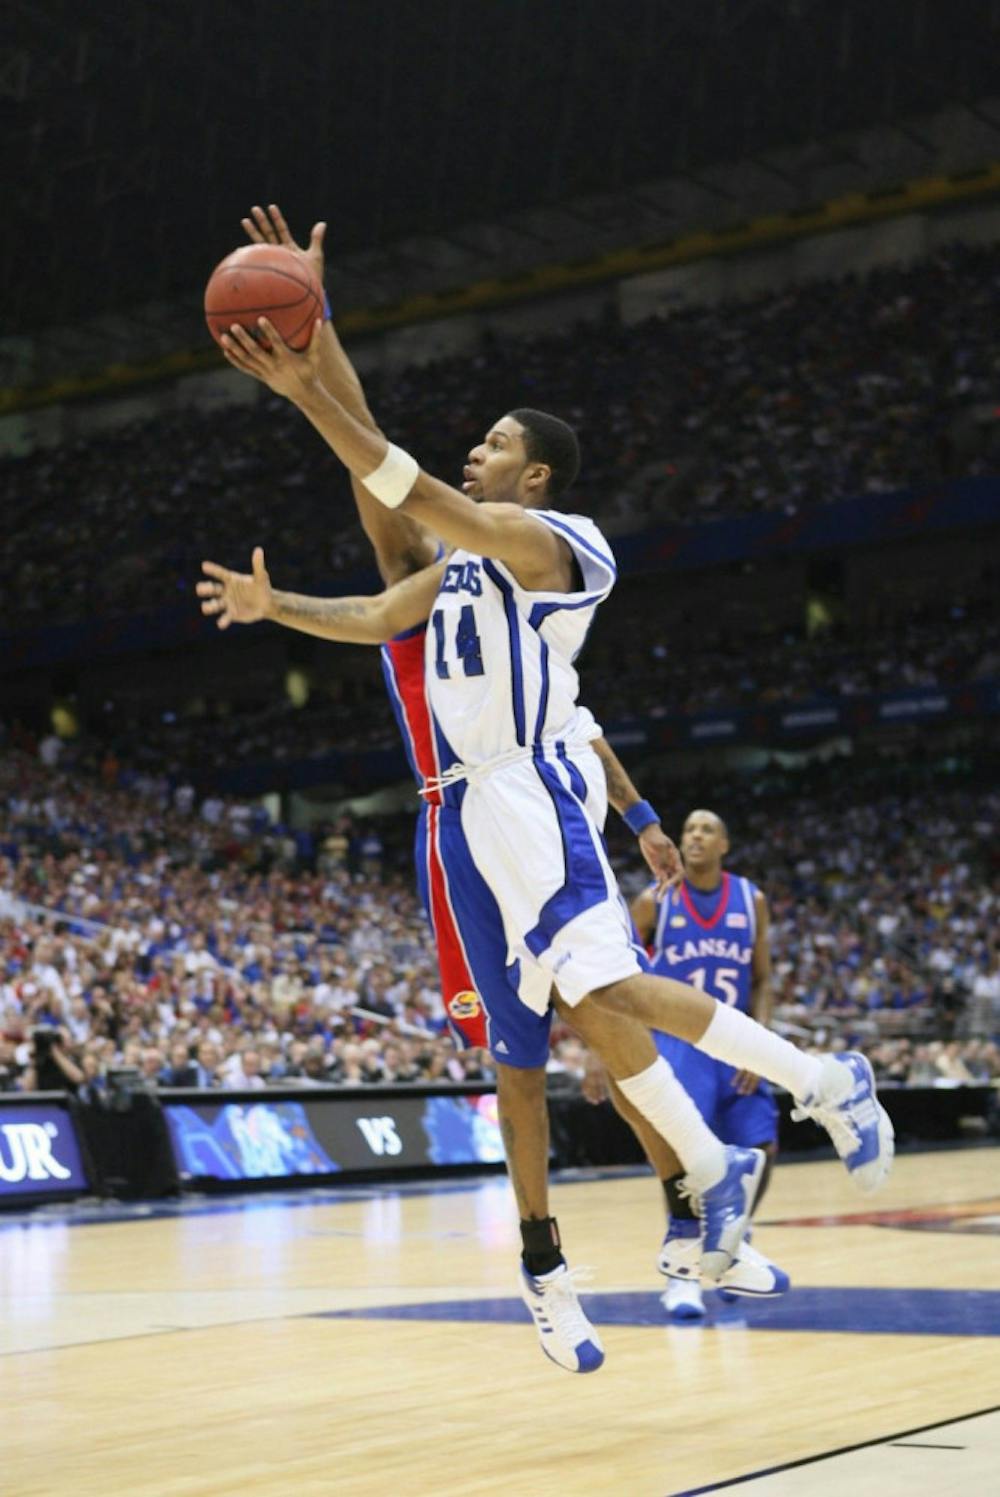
479 988
744 1121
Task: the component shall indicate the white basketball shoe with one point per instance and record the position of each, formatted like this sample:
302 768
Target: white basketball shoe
566 1335
680 1262
753 1274
846 1106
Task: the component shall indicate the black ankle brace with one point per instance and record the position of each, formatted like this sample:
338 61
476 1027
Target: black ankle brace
541 1247
678 1204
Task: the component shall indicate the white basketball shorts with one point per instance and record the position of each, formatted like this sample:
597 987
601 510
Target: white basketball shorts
533 830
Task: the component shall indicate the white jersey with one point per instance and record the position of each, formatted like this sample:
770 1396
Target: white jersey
499 659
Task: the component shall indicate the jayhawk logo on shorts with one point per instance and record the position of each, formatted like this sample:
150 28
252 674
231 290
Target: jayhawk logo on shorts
464 1005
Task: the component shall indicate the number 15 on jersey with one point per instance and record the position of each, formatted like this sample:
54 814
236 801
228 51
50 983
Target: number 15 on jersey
723 983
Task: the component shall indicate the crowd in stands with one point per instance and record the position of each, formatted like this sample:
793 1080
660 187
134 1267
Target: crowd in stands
682 665
687 665
149 922
796 398
201 945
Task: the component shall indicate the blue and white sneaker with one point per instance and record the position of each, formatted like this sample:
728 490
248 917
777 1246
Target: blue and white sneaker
725 1210
847 1107
680 1250
682 1300
679 1260
753 1274
567 1336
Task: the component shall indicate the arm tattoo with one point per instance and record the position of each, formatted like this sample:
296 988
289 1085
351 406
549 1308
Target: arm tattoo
621 792
318 610
619 786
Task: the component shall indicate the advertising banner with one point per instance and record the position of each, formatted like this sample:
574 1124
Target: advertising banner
274 1137
39 1152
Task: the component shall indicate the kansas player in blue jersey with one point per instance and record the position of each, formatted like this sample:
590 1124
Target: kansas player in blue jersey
711 931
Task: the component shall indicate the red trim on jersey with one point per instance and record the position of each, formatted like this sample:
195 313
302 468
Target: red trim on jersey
720 908
407 656
463 1005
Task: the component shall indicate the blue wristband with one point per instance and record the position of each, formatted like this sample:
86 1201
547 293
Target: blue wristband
638 817
327 311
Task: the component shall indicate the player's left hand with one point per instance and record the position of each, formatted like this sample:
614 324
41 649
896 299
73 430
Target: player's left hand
267 357
269 227
665 862
236 597
746 1083
594 1084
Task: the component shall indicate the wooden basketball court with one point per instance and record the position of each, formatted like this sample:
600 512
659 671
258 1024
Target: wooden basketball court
372 1343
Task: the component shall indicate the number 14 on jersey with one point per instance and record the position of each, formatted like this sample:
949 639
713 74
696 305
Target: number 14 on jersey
468 649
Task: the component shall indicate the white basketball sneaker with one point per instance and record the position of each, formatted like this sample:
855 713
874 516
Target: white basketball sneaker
753 1274
682 1300
566 1335
680 1262
680 1251
750 1274
847 1107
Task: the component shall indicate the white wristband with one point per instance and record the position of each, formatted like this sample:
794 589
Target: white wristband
393 478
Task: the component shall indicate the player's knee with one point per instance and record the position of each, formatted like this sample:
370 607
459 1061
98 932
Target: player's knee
588 1017
615 998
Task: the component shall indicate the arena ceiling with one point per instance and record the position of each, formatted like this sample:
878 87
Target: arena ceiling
136 134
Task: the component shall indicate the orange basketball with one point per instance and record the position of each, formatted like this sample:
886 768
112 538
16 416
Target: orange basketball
264 280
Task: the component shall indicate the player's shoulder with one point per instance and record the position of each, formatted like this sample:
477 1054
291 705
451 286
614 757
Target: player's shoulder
751 892
589 546
579 529
755 892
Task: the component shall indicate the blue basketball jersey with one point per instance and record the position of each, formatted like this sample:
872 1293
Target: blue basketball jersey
707 940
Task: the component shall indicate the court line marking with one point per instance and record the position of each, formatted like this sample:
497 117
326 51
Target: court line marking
35 1351
922 1445
829 1455
854 1310
175 1330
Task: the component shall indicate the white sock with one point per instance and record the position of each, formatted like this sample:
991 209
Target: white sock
661 1099
740 1041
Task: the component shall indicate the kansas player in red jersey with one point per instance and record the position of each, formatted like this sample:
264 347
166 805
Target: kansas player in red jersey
467 928
711 931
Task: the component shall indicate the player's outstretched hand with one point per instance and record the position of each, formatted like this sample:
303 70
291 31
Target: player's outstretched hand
594 1083
268 226
746 1083
267 357
236 597
665 862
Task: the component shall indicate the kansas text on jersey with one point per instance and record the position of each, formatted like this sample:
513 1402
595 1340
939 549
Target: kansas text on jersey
708 940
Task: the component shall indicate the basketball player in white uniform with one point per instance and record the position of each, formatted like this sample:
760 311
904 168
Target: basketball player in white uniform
506 621
463 916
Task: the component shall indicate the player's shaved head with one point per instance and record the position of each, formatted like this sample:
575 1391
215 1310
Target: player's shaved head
704 842
552 441
720 825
